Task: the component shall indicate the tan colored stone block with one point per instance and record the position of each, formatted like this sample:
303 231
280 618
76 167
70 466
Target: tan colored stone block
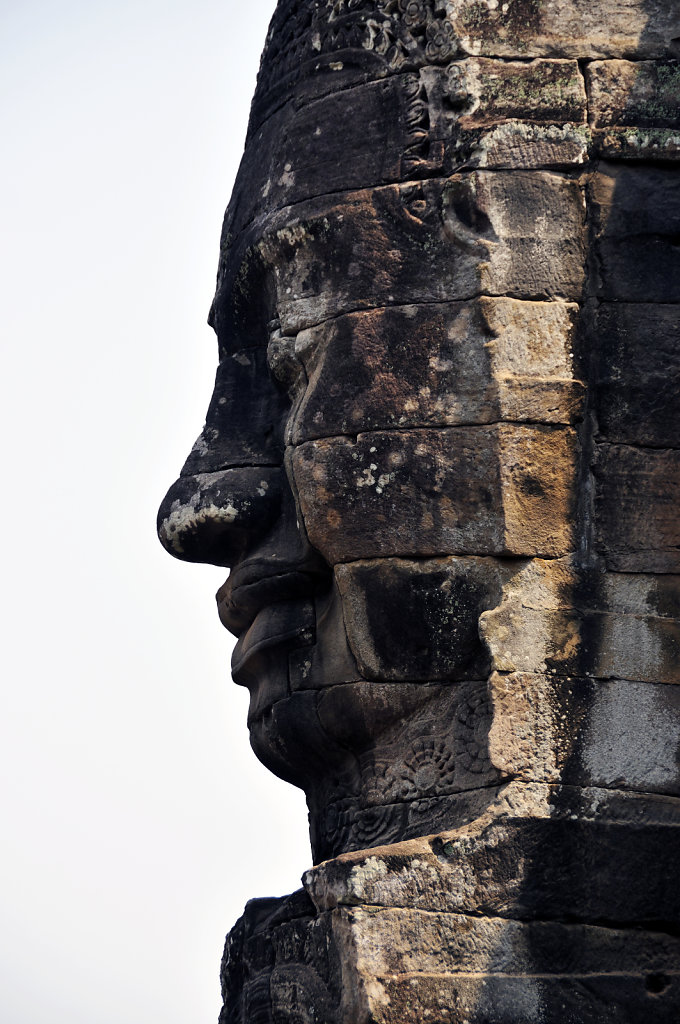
431 242
586 732
500 489
520 145
633 94
393 941
571 28
557 618
437 365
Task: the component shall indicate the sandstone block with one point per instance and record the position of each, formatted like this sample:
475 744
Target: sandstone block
230 438
455 363
633 94
437 241
636 507
540 852
483 490
419 125
640 28
392 941
413 620
638 376
589 999
636 214
557 618
584 732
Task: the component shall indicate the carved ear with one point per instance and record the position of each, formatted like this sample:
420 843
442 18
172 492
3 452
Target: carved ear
465 214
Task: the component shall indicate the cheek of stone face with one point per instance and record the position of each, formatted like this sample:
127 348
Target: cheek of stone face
497 489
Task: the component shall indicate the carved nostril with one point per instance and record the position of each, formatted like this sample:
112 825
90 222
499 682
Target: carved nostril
214 517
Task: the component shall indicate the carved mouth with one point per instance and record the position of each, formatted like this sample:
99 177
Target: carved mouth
289 623
266 608
253 587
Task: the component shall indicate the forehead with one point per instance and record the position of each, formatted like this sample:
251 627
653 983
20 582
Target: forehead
375 192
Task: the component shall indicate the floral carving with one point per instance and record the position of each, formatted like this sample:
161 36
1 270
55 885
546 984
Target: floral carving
441 41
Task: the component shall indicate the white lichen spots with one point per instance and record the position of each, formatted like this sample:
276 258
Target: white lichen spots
632 737
242 359
367 479
263 488
373 448
267 188
287 177
186 517
294 234
316 42
317 132
222 401
383 480
318 417
336 65
371 871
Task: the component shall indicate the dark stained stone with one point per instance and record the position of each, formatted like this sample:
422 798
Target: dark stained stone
639 374
637 222
486 490
637 501
418 620
437 365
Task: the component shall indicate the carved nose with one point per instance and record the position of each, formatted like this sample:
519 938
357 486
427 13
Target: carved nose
216 517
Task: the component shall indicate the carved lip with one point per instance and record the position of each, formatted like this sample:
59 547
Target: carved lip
255 586
287 622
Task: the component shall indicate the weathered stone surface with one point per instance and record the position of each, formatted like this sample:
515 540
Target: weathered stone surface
296 963
335 45
426 743
540 852
229 438
397 941
636 219
437 365
587 732
431 242
483 490
581 627
638 374
637 500
555 617
634 94
590 997
633 108
420 125
418 619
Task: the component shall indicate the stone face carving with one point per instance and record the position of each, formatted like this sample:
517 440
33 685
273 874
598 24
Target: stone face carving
441 463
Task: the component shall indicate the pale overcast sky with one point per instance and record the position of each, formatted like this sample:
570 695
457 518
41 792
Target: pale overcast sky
136 821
